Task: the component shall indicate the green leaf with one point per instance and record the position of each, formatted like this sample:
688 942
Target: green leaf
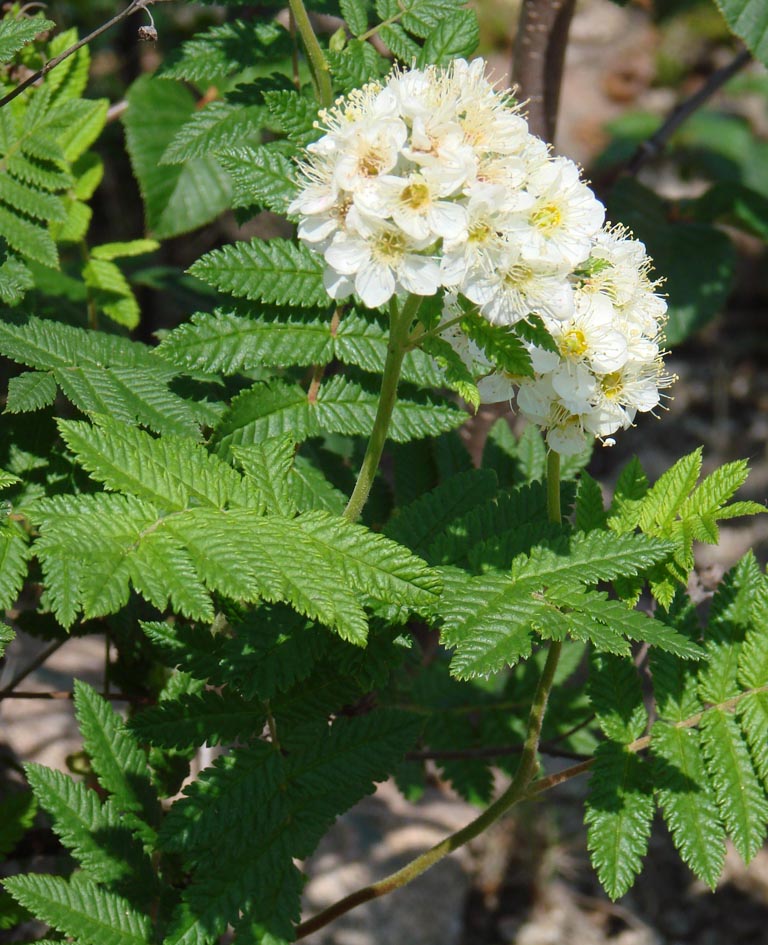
455 36
81 909
740 797
117 759
294 114
590 513
400 43
255 810
355 15
173 472
418 524
19 810
261 176
28 238
17 31
177 199
110 251
227 49
94 832
14 552
619 815
30 391
276 270
276 408
219 126
229 343
488 622
747 19
269 465
686 800
357 64
614 690
503 346
191 720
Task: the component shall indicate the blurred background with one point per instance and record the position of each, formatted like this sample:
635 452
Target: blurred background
527 882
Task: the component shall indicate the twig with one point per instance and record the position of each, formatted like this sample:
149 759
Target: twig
654 145
66 694
517 789
540 44
7 691
492 751
132 8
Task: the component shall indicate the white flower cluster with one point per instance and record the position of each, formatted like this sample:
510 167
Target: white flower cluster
608 366
432 181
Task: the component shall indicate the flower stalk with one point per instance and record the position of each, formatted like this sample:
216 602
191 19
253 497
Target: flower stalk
397 347
518 790
318 64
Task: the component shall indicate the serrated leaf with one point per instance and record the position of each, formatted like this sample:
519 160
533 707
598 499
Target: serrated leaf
740 797
590 513
30 391
17 31
746 18
261 176
173 472
418 524
488 622
355 15
14 552
686 800
94 832
619 815
456 36
341 406
219 126
117 759
275 270
614 690
229 48
81 909
191 720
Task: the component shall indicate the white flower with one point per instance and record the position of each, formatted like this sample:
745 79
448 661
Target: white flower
414 204
591 335
509 288
383 261
564 217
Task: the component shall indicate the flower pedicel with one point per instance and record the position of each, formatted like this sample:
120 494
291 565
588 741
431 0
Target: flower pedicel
432 182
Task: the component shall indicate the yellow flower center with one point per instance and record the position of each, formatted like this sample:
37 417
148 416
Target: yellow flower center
548 217
415 196
388 247
516 276
480 233
612 385
371 163
573 343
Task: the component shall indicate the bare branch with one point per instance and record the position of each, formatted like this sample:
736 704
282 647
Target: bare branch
133 7
653 146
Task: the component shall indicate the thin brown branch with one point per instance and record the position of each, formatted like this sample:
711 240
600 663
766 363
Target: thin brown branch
34 664
539 56
653 146
490 752
67 694
132 8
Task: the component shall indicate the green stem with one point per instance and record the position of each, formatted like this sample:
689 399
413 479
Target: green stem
522 782
526 770
553 487
397 347
317 61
